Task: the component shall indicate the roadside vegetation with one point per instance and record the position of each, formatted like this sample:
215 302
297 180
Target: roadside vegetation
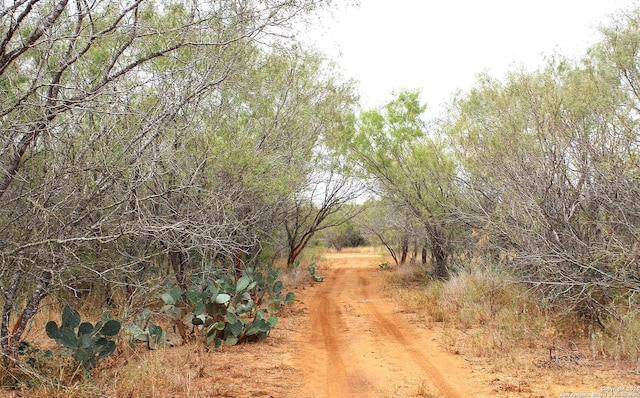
172 169
519 204
505 327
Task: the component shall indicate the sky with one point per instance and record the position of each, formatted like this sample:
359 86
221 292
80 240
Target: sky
440 46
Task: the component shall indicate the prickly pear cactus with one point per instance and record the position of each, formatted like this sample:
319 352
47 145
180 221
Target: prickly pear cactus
90 342
227 310
312 270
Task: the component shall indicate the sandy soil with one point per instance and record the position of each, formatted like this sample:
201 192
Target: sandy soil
357 344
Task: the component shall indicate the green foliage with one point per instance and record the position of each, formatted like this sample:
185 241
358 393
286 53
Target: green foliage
312 270
33 354
90 342
384 266
551 152
143 330
115 84
413 170
347 234
228 311
295 265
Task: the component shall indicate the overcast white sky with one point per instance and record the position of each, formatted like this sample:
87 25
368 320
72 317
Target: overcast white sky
440 46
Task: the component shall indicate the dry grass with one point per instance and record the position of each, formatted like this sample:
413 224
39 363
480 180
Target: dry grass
191 370
483 316
294 278
504 327
497 326
251 370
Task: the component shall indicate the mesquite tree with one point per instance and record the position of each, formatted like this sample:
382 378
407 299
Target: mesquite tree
324 205
393 226
551 160
410 167
108 163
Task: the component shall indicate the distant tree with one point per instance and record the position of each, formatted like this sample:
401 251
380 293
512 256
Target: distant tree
410 167
318 209
347 234
388 224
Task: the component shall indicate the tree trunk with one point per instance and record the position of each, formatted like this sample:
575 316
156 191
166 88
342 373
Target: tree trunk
392 252
178 261
414 256
405 251
440 260
11 338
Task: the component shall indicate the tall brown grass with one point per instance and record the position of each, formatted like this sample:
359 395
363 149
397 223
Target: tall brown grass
484 314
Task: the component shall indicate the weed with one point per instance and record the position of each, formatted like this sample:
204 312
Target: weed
423 391
619 338
295 278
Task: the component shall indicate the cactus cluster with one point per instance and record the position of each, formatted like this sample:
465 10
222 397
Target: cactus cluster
226 310
143 330
312 270
89 342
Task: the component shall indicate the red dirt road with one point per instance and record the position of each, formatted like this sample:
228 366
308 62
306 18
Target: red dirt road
356 343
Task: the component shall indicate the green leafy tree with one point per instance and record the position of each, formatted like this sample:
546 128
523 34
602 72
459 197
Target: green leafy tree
409 166
348 234
391 225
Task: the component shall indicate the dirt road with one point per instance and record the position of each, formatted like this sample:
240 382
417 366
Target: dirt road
356 344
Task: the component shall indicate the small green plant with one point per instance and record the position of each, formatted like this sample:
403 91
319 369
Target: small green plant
385 266
312 269
33 354
295 265
89 343
226 310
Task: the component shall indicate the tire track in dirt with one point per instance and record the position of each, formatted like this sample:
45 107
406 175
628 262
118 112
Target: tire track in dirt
394 334
328 325
357 345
